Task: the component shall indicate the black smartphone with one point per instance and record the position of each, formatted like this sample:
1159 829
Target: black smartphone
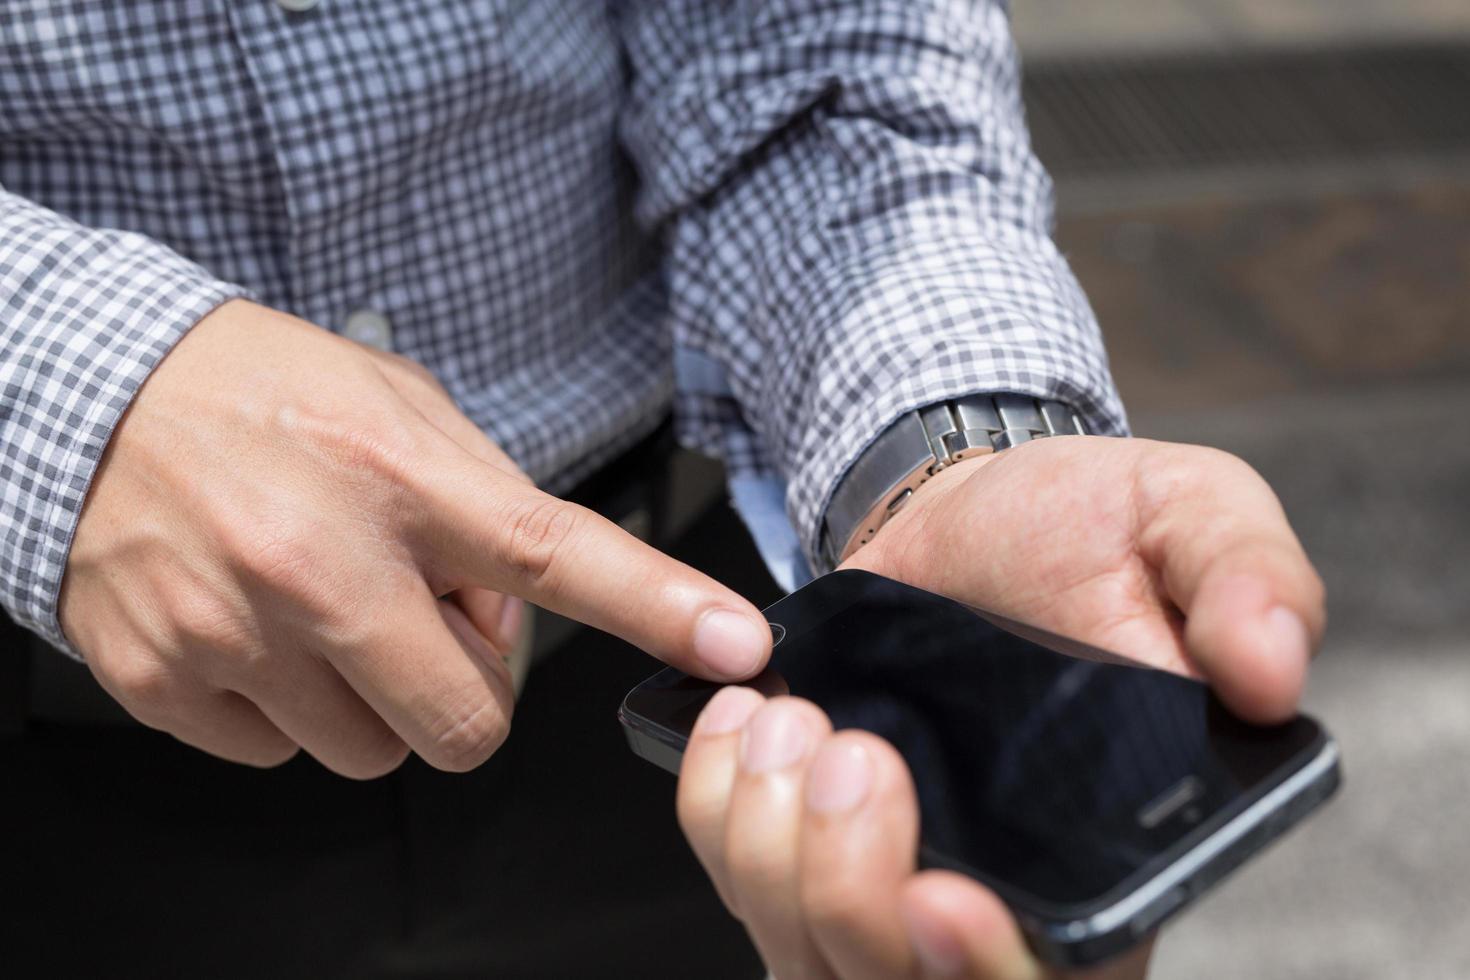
1095 796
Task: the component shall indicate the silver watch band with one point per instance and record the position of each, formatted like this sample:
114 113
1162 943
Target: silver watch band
921 444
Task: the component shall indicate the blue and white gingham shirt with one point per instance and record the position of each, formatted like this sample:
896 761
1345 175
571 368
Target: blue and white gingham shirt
797 219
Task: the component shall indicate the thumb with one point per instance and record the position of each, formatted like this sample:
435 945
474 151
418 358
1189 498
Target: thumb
1253 605
488 529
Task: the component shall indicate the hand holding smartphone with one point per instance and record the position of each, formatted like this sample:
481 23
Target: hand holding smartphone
1095 796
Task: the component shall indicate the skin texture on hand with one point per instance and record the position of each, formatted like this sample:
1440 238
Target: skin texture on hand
294 541
811 836
1177 556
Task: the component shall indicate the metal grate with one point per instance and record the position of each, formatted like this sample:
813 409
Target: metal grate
1161 114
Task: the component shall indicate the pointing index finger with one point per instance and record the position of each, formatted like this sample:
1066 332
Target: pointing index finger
486 529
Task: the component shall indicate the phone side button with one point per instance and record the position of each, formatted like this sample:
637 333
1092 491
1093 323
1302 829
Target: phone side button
1158 910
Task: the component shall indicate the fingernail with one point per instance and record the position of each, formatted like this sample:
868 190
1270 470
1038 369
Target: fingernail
729 643
774 739
730 708
512 611
1287 635
935 944
839 778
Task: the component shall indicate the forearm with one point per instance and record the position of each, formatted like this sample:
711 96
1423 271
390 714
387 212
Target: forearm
857 239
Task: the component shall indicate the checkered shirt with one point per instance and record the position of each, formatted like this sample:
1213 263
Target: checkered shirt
833 204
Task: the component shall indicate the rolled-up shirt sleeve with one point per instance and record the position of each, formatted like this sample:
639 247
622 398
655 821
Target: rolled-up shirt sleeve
854 226
85 315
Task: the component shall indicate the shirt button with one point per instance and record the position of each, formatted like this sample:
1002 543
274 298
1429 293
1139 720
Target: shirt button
370 327
296 6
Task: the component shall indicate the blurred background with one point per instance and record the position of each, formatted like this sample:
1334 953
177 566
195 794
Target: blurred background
1268 202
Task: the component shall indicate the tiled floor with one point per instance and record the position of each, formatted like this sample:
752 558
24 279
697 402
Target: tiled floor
1323 335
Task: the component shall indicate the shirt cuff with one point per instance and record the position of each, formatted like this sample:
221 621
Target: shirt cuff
760 502
981 342
87 314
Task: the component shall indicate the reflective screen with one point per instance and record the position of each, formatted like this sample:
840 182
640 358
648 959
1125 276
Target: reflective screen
1054 776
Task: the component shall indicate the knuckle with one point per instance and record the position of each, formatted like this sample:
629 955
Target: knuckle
274 552
831 903
378 450
757 870
1174 475
203 619
416 370
287 559
1171 476
537 534
374 761
367 449
343 624
1217 470
465 741
1202 459
832 893
141 683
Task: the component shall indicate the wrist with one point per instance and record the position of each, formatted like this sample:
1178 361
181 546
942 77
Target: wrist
909 522
920 445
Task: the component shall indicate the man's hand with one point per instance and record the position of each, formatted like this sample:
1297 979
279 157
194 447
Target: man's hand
294 541
1175 555
1178 556
811 838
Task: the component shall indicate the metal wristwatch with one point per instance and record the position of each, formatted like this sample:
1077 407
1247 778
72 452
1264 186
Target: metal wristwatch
922 443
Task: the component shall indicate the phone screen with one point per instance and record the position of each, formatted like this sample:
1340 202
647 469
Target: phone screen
1053 771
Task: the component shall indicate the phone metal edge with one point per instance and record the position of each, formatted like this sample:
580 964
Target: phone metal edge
1131 906
650 742
665 749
